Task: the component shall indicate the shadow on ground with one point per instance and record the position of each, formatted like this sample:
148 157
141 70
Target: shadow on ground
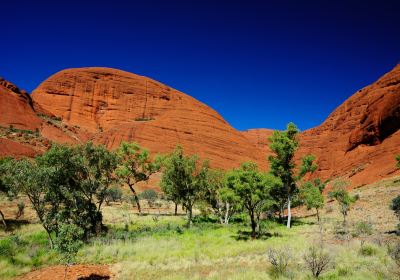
94 277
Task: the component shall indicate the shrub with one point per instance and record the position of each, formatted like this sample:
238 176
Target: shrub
363 228
113 195
394 253
367 250
279 258
317 261
150 196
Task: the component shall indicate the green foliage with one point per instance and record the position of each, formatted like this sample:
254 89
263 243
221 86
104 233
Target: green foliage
363 229
395 206
284 145
67 185
113 194
219 197
251 188
342 196
68 242
398 161
149 195
184 179
135 166
367 250
311 193
6 172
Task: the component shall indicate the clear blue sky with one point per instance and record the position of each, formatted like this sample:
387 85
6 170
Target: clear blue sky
258 63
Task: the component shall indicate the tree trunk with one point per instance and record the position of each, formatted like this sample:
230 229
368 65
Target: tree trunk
3 220
253 225
50 239
136 199
176 209
318 219
281 213
189 215
289 213
227 206
65 271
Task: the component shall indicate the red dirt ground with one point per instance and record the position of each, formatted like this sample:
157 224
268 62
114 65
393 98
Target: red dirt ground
81 272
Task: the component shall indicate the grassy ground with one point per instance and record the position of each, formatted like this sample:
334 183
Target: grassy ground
160 247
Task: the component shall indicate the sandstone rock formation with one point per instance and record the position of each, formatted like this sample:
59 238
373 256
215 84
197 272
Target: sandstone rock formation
360 138
116 106
357 141
16 108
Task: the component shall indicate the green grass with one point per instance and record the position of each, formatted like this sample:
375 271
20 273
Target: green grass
161 247
25 250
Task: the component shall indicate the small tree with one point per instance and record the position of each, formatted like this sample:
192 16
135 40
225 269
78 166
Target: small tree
395 206
317 261
342 196
113 194
135 167
398 161
68 242
150 196
6 187
311 192
279 259
184 179
284 145
219 197
252 189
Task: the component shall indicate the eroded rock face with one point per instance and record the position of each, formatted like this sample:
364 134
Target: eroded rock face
357 141
16 108
118 106
360 138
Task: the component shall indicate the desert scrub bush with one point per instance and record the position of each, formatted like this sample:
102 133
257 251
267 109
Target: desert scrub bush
317 261
113 194
150 196
279 259
363 228
394 252
367 250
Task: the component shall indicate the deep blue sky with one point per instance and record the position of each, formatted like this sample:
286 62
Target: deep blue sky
258 63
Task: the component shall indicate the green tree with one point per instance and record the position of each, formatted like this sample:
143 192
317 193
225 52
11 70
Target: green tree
66 184
395 206
252 188
344 199
219 197
284 145
150 196
135 166
398 161
68 242
113 194
6 170
311 193
184 179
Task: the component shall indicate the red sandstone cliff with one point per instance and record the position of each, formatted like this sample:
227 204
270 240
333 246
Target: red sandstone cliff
357 141
116 106
360 138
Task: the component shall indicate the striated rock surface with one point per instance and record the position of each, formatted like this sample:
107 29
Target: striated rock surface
360 139
357 141
16 108
118 106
